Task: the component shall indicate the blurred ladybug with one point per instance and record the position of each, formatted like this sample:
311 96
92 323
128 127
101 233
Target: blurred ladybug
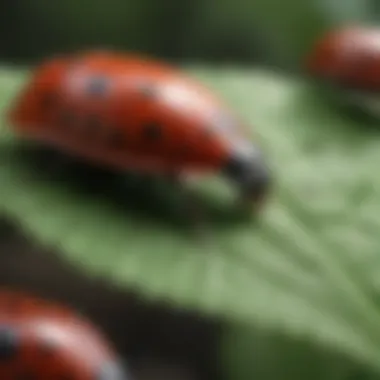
43 341
129 113
348 59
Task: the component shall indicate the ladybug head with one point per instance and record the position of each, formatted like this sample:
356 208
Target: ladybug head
112 371
246 168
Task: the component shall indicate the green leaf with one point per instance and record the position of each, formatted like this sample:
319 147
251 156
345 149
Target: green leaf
262 354
308 268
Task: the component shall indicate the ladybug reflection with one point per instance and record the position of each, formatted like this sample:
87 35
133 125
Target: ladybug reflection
44 341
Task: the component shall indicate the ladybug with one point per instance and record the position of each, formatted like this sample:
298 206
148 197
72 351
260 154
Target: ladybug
135 114
41 340
348 59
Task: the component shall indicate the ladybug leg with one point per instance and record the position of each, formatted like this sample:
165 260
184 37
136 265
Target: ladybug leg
191 203
246 206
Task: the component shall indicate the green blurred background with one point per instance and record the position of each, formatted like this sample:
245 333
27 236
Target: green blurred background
274 32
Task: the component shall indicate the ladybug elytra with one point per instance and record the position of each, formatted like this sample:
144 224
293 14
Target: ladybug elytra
348 61
40 340
130 113
349 57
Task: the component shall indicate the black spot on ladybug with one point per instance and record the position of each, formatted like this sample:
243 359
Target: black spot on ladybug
66 119
116 139
48 100
98 86
9 343
152 132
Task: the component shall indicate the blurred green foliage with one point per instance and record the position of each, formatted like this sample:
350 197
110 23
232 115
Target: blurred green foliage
269 31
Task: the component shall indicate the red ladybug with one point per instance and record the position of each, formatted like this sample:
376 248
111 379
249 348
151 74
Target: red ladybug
43 341
348 57
130 113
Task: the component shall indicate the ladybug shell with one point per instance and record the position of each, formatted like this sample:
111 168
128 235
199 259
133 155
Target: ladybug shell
43 341
128 113
349 57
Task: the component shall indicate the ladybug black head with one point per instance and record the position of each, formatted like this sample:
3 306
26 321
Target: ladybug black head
248 170
9 343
